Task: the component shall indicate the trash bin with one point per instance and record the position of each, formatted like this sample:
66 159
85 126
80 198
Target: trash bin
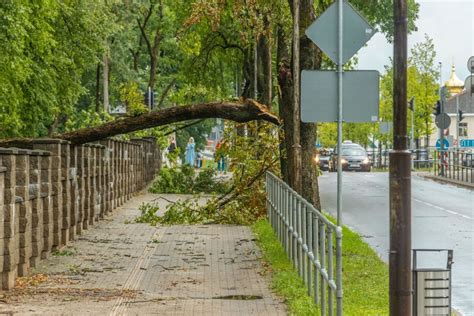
432 286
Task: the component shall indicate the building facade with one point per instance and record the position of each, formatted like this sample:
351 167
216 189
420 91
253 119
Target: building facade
459 99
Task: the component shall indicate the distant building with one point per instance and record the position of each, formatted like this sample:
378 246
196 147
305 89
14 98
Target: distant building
458 97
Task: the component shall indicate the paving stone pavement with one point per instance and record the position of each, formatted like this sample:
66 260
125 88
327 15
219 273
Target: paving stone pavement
118 267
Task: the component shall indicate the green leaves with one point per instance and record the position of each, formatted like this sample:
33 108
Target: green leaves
45 46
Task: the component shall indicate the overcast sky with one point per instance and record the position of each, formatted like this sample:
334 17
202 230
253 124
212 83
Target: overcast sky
451 25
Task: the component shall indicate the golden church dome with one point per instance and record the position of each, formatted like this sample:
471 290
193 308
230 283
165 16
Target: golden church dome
454 84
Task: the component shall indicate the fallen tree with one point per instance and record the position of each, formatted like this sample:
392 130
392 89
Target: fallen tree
244 111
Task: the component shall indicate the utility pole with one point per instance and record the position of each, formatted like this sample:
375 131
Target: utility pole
412 132
296 99
106 83
457 121
441 131
400 278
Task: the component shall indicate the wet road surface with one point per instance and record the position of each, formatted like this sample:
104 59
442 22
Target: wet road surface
442 217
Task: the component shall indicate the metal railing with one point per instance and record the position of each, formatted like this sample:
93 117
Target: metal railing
311 241
456 165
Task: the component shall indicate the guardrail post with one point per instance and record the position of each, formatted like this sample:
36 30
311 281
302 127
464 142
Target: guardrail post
339 291
322 258
330 271
316 258
304 231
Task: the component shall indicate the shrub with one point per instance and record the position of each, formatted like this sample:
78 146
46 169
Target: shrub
184 180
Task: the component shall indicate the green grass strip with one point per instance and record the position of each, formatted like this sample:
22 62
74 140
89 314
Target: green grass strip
365 275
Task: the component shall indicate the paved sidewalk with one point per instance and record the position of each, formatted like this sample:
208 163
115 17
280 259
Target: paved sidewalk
122 268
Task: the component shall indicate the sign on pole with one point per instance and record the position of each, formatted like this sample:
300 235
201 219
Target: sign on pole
469 84
445 143
470 65
467 143
385 127
443 121
324 32
319 96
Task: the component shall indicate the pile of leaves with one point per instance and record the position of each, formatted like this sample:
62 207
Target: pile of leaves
185 180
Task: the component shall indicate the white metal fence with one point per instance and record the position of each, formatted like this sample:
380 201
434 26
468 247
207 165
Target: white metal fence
311 241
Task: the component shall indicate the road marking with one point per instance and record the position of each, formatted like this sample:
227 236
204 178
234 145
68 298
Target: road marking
442 209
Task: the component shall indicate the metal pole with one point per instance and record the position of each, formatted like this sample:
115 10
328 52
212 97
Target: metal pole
296 98
412 142
149 97
457 121
441 131
340 73
400 176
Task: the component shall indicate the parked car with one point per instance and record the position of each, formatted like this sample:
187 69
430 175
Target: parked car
324 160
353 156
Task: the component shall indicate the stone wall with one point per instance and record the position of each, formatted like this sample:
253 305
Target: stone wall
51 191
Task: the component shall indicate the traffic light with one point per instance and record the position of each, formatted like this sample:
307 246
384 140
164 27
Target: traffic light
460 115
437 108
411 104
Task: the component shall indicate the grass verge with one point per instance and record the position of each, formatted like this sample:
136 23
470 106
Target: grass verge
365 275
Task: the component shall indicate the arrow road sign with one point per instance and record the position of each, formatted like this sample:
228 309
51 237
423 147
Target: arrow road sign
445 142
324 32
360 95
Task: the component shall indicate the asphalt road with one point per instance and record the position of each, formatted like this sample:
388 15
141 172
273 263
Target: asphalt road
443 217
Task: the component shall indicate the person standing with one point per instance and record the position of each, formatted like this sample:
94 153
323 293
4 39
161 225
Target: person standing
190 152
171 152
220 157
172 146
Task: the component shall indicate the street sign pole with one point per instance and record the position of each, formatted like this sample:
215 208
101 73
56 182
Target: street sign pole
441 130
412 134
339 32
457 121
400 284
340 70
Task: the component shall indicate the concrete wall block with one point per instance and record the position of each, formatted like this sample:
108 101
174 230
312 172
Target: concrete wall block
9 195
10 213
53 148
22 162
34 191
8 161
46 162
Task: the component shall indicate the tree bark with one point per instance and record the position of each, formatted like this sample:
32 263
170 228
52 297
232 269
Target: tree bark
285 93
97 89
241 112
106 83
249 110
311 57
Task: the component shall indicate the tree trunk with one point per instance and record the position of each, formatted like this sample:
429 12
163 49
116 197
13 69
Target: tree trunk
265 67
311 57
285 93
97 89
106 83
247 111
285 82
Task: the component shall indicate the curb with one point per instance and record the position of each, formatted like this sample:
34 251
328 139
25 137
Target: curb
447 181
